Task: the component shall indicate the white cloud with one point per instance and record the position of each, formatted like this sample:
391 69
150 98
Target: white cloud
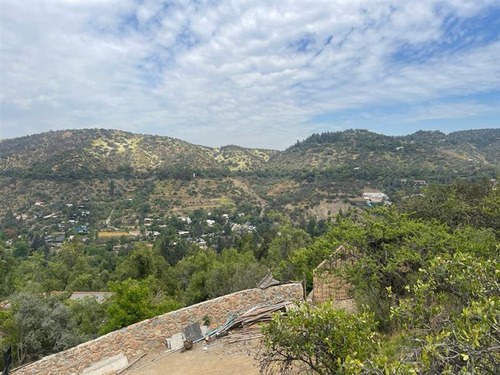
245 72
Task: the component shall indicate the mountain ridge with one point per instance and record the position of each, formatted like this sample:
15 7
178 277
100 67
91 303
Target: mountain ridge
115 149
321 175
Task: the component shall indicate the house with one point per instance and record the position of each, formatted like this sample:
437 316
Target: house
210 223
185 219
56 238
375 197
153 233
236 228
327 284
202 243
420 182
5 305
99 296
81 230
249 228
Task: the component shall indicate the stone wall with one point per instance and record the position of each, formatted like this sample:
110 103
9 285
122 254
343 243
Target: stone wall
150 334
327 285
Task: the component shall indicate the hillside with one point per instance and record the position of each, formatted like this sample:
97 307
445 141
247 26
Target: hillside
430 149
319 176
93 150
114 150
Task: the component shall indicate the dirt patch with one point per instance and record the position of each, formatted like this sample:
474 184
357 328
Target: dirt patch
219 357
116 234
245 188
326 209
282 187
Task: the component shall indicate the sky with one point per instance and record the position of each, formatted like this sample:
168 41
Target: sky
252 73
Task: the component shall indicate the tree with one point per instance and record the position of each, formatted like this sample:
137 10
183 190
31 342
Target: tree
38 326
112 188
321 338
234 271
458 204
449 323
132 302
389 249
172 248
88 316
20 249
142 263
39 244
281 249
463 290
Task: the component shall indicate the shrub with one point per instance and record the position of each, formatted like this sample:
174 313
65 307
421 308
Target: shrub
321 338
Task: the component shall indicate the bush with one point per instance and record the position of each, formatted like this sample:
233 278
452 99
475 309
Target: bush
322 338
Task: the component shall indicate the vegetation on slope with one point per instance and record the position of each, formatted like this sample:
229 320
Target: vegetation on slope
114 181
428 292
414 269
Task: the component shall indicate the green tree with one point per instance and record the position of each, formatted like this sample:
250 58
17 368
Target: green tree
142 263
463 290
134 301
37 326
389 249
172 248
458 204
192 272
233 272
281 249
88 316
20 249
321 338
449 323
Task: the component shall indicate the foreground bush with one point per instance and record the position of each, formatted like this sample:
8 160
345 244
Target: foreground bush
321 338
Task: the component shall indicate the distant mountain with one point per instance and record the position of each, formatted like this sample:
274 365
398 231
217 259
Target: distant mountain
102 150
320 175
358 148
112 150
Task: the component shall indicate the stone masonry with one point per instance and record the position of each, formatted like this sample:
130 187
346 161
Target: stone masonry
150 334
327 286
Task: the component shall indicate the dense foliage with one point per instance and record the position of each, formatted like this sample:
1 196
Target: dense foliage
146 278
321 338
430 279
424 271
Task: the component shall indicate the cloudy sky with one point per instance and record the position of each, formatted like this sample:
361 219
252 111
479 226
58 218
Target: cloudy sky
253 73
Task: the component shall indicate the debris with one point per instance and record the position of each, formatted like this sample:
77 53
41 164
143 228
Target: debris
249 318
188 345
175 341
131 364
268 281
193 332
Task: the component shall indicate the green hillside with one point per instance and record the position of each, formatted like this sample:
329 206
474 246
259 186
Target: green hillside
319 176
111 151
